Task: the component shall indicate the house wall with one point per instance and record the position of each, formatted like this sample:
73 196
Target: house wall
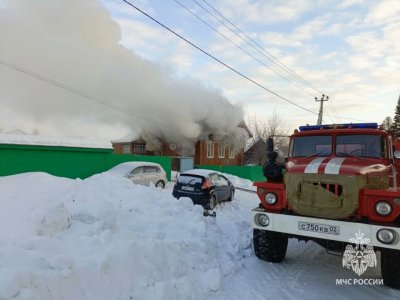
166 150
202 159
256 154
117 148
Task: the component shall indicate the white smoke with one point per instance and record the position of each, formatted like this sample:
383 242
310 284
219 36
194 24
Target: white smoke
76 43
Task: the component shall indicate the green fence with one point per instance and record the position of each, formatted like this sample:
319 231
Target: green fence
253 173
67 162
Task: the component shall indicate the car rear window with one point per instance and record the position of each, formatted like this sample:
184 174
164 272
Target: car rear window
189 179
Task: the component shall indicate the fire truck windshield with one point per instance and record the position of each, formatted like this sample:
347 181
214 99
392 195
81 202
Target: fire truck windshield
361 145
316 145
373 146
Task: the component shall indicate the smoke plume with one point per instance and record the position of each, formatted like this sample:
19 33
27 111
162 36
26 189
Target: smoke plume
77 43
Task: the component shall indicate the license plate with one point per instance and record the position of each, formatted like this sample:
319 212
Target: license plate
321 228
188 188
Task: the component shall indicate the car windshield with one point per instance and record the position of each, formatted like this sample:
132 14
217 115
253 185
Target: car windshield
373 146
307 146
188 179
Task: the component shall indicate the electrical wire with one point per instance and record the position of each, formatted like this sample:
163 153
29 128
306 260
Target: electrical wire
218 60
238 46
248 38
92 98
270 56
77 92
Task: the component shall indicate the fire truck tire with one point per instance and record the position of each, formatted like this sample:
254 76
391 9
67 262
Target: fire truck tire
270 246
390 265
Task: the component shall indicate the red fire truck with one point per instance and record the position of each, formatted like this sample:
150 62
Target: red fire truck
336 181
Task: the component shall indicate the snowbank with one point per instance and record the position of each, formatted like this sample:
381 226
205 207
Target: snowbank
105 238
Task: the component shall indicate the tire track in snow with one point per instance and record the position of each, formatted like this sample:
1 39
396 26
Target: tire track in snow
260 279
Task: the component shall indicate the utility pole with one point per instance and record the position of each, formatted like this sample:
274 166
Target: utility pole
321 108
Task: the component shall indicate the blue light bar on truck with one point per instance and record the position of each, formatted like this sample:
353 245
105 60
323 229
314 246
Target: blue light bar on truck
339 126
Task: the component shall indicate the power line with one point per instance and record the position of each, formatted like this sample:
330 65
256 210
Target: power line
271 57
218 60
92 98
238 46
333 108
76 92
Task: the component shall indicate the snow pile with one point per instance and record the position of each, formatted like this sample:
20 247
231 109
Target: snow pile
240 182
105 238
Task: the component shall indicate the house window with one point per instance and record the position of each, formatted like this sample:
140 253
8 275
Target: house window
210 150
231 153
126 148
221 150
139 149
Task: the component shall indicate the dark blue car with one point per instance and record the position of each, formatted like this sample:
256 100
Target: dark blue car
204 187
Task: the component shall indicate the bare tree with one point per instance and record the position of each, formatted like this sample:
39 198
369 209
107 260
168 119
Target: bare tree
273 126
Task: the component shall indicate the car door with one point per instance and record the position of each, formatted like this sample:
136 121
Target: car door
218 189
150 175
224 187
137 175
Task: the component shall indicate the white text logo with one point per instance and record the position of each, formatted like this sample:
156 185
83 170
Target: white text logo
361 256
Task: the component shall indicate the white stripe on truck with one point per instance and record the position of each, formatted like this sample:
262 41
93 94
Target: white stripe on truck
313 166
333 166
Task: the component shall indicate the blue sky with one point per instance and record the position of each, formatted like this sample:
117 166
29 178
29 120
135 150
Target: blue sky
348 49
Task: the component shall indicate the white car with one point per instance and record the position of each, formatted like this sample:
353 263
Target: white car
142 173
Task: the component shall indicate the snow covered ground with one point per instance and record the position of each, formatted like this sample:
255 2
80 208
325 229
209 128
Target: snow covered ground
105 238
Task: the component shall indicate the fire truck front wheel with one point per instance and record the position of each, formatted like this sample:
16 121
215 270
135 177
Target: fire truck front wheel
270 246
390 265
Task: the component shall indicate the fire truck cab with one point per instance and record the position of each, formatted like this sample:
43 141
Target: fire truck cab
337 181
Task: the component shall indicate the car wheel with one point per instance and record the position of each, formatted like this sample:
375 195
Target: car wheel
212 202
160 184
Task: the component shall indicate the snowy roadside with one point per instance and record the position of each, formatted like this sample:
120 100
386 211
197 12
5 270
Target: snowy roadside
105 238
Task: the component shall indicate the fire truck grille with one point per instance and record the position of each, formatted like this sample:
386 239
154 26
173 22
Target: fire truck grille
335 189
323 195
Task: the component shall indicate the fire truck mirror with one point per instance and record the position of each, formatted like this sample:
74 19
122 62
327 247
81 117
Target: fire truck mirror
396 154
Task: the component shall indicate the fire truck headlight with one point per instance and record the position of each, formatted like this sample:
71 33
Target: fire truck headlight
386 236
261 220
383 208
270 198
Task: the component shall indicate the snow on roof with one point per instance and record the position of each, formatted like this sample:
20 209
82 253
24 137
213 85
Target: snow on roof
125 168
37 140
128 138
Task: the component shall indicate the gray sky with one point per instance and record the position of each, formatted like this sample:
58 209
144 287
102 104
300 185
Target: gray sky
76 43
347 49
